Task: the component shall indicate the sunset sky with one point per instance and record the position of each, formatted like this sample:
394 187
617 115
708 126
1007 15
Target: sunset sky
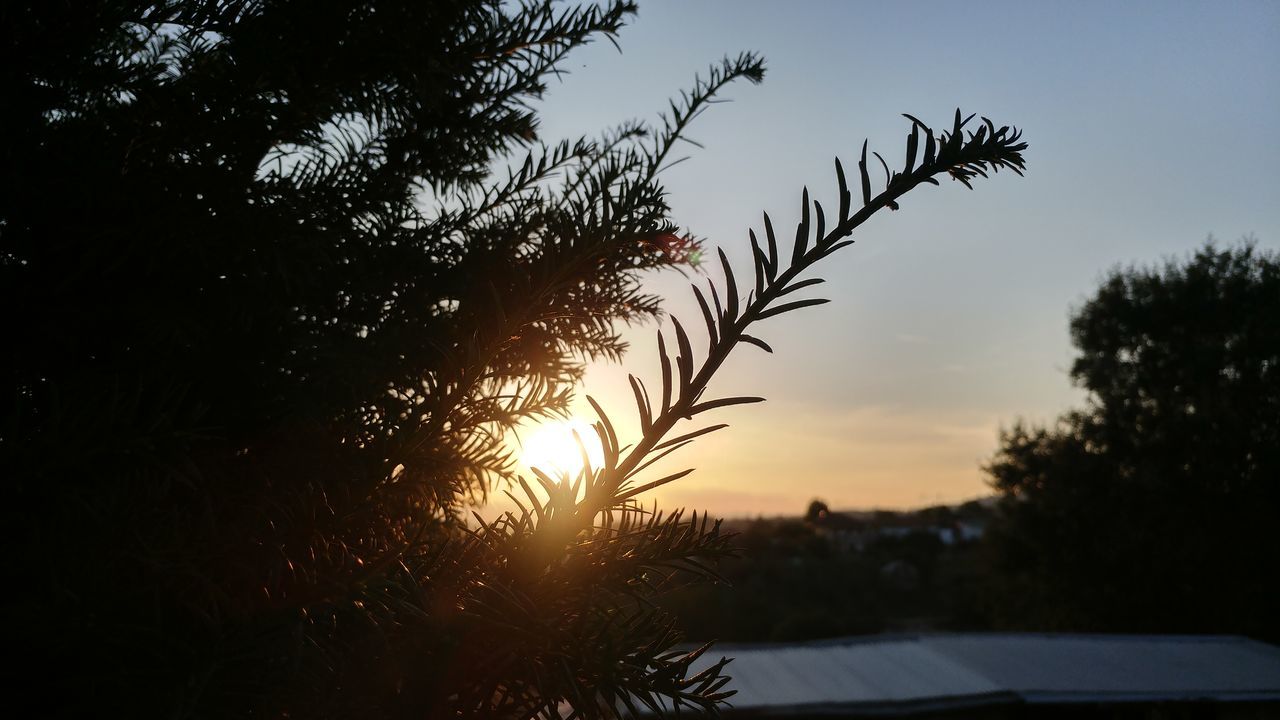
1152 126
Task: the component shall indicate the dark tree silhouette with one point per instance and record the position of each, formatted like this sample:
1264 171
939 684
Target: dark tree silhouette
1152 509
816 511
269 314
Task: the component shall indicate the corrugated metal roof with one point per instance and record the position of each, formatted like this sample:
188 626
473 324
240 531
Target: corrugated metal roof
967 669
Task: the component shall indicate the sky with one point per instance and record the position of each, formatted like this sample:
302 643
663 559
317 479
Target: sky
1152 125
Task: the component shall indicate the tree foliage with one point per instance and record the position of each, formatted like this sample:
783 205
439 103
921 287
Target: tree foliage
272 303
1151 509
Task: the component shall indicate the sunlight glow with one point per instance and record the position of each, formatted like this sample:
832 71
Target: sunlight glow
552 448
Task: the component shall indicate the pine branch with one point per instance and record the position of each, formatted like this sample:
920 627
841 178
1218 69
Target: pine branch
986 150
571 505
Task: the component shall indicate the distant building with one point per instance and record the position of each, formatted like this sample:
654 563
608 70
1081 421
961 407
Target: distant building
1007 676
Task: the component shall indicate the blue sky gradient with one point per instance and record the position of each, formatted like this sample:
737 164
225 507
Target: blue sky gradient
1152 125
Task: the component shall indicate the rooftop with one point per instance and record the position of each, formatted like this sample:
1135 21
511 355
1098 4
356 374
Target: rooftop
911 673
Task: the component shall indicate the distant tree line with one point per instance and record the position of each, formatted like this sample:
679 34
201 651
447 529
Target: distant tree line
829 573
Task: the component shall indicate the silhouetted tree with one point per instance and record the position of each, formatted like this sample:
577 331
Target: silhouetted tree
816 511
1153 508
270 311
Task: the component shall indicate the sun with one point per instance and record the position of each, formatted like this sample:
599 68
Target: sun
552 448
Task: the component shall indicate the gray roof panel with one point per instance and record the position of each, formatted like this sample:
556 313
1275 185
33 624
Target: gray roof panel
880 672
